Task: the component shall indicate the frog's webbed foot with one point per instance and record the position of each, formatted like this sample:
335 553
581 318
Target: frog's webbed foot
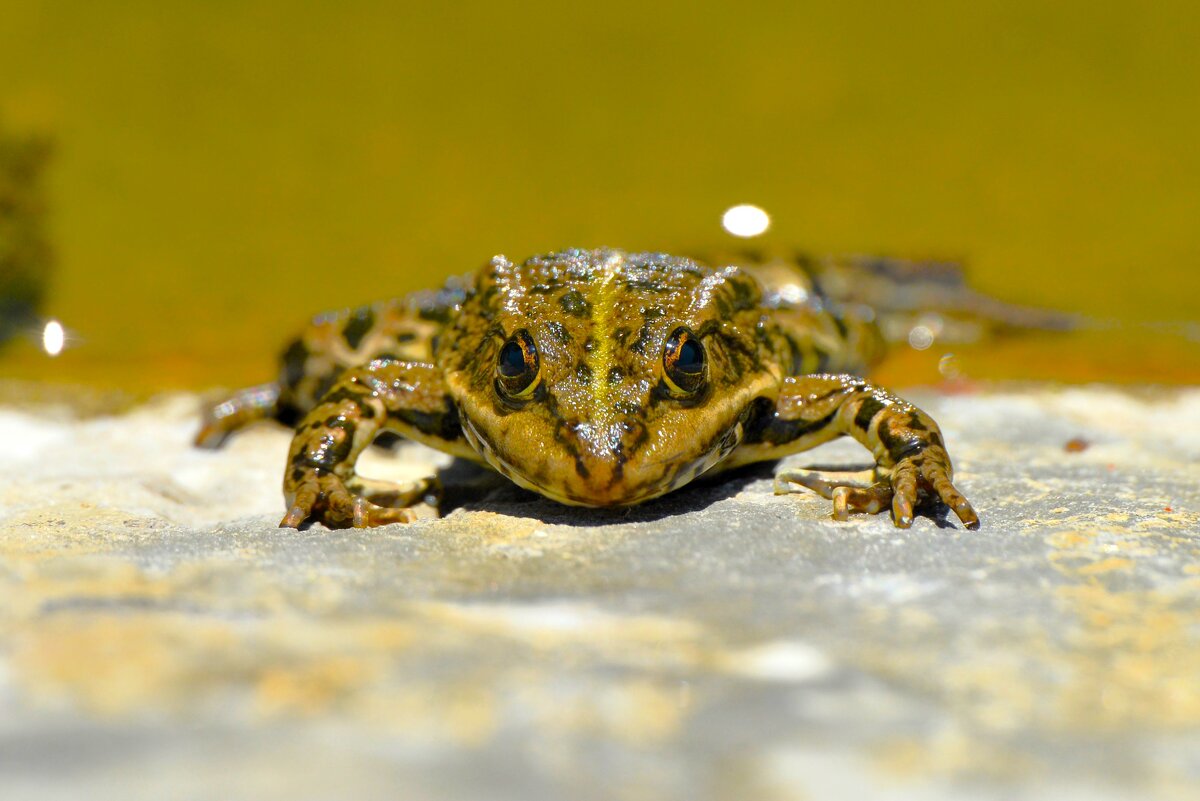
357 502
238 411
914 481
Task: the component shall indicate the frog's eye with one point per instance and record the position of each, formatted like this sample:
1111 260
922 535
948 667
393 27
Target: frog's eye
684 362
517 366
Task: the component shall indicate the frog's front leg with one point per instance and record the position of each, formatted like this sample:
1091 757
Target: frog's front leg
911 463
408 398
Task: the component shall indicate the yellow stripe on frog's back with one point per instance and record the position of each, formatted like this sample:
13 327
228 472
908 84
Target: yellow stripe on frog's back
605 297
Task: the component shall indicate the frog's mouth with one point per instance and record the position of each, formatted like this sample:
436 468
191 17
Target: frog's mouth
584 475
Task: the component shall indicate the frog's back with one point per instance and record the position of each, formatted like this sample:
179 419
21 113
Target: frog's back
618 301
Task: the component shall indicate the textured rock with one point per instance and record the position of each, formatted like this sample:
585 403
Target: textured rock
158 631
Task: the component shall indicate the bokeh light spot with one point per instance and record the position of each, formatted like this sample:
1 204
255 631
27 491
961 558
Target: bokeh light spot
53 337
745 220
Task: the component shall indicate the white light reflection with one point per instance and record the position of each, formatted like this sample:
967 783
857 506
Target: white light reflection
793 293
920 337
745 220
948 366
53 337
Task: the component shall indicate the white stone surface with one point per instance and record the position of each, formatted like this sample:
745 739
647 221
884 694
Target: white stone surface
160 637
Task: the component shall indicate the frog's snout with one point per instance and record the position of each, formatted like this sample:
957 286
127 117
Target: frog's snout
611 465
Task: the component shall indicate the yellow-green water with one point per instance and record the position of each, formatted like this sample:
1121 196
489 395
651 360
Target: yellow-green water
224 169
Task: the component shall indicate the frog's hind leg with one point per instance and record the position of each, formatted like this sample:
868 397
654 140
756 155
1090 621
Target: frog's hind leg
236 412
313 361
851 491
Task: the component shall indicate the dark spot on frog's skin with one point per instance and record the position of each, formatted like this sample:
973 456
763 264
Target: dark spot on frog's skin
899 446
405 336
583 374
823 360
782 431
330 451
762 331
575 304
360 322
444 425
866 413
589 345
762 424
339 395
839 323
580 467
620 335
294 360
565 443
297 475
628 407
643 341
646 285
902 449
615 375
724 307
326 385
741 353
744 294
559 332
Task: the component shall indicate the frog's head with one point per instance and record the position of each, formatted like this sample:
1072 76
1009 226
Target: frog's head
604 378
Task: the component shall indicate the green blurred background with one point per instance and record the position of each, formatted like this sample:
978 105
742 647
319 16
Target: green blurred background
224 169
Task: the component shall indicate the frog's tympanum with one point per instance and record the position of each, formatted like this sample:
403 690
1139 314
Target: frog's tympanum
596 378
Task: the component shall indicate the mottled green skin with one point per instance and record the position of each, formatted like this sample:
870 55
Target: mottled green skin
601 422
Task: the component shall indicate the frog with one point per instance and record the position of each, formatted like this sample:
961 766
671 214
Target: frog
598 378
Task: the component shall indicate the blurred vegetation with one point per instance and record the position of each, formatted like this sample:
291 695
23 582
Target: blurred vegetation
24 252
226 169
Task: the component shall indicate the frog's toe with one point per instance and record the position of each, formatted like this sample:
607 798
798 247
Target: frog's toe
904 494
369 515
910 485
378 503
421 492
213 433
358 502
939 481
319 497
860 500
823 482
851 492
249 405
924 478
